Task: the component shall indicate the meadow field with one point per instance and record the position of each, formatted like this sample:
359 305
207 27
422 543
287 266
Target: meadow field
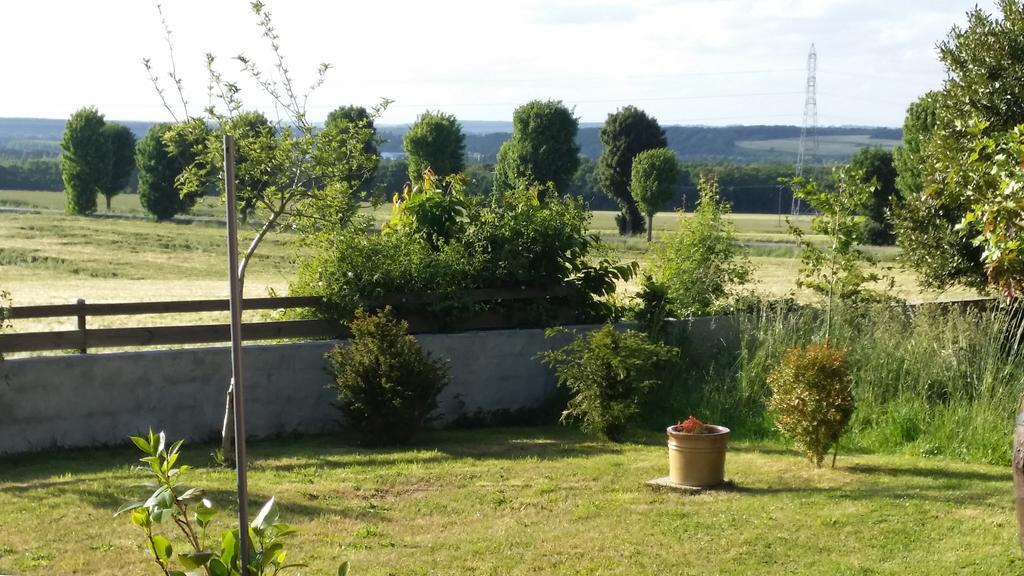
51 258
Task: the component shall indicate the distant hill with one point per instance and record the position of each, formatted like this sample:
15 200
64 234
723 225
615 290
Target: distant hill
39 138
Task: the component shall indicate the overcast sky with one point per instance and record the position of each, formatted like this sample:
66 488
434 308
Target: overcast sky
710 62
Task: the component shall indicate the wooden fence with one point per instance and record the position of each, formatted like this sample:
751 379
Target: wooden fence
83 338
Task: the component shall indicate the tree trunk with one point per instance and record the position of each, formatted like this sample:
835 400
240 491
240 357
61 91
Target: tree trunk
108 201
227 432
634 219
650 226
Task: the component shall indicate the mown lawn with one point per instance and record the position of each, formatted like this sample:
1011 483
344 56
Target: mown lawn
540 501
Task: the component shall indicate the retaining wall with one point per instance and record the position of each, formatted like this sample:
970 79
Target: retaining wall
101 399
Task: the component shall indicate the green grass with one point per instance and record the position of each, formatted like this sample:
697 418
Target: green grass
51 259
120 204
939 382
539 501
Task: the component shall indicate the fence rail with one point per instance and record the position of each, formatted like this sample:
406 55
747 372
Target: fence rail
83 338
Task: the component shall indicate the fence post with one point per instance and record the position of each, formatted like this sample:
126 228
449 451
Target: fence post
81 323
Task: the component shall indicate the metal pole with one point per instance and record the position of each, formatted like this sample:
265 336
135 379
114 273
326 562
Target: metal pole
236 353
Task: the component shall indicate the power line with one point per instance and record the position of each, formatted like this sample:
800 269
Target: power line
604 101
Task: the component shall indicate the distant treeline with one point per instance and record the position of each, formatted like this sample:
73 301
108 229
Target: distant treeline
690 143
36 174
749 188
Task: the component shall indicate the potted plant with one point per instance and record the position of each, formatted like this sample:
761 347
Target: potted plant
696 453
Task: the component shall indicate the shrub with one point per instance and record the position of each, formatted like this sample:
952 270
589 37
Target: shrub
443 242
387 384
702 261
174 505
812 398
607 373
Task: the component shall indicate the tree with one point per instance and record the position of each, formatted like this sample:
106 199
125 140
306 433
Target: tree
920 123
626 133
434 141
876 165
835 270
122 159
296 174
982 98
85 160
158 169
653 181
346 120
701 263
542 149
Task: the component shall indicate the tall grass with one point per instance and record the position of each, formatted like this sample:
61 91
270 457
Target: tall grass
930 381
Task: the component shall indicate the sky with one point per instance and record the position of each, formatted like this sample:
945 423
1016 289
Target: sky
709 62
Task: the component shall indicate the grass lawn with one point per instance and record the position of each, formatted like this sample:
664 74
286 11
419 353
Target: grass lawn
539 501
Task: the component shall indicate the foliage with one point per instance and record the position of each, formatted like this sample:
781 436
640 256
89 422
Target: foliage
995 191
653 180
352 121
85 160
434 141
876 168
296 174
443 242
390 178
836 270
122 159
387 384
542 149
920 122
702 261
290 174
32 174
812 399
607 373
431 211
653 307
626 133
174 507
984 90
159 167
935 380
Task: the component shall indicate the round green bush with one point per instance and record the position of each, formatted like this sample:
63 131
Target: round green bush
812 398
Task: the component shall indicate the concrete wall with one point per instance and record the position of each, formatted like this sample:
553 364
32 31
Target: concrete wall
101 399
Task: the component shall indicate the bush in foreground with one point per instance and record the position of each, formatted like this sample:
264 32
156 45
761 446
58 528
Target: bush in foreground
812 398
608 372
387 383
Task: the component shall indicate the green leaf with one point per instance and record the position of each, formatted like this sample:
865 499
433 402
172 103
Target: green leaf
205 512
229 547
128 507
195 560
218 568
267 517
140 517
161 547
142 444
343 569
